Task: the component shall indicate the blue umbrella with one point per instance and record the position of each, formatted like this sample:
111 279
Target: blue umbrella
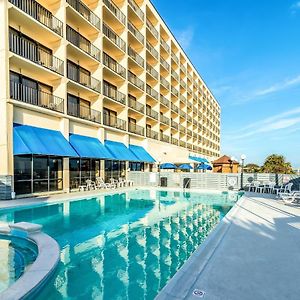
204 167
167 166
185 167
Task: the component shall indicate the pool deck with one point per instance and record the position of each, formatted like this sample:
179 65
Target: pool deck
254 253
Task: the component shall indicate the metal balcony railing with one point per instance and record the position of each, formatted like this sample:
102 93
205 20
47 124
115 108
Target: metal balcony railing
164 82
164 100
136 57
152 113
40 13
175 58
113 65
115 11
132 103
182 128
75 73
151 134
174 141
26 94
175 75
84 112
112 92
136 32
152 29
183 84
113 37
164 120
32 51
136 81
174 107
152 71
151 49
165 64
133 128
165 45
151 92
174 124
81 8
174 91
136 8
114 122
164 138
182 143
82 43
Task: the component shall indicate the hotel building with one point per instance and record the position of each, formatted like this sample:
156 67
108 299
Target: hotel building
93 88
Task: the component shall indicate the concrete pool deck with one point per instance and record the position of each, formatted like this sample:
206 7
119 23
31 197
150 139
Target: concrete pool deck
253 254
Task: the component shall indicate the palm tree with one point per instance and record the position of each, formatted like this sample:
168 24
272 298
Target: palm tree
277 164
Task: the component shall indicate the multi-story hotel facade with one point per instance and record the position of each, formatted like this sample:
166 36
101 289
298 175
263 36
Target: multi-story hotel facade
94 88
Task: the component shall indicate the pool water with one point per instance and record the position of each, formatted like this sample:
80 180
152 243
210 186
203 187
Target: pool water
124 246
16 255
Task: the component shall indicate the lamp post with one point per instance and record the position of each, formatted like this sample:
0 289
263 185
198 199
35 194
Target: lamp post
243 157
158 170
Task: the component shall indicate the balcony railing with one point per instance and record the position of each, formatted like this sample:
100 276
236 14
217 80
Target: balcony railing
82 43
40 13
174 107
115 11
164 100
165 64
152 71
111 92
32 51
183 84
150 91
189 132
132 103
136 8
75 73
112 36
152 134
152 29
136 81
182 113
190 146
165 45
189 118
183 99
151 49
136 32
174 91
114 122
81 8
183 69
164 138
164 120
174 57
175 75
152 113
174 124
174 141
136 57
112 64
133 128
182 144
84 112
35 97
182 128
164 82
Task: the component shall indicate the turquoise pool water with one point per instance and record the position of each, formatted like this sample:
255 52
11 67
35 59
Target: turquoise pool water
124 246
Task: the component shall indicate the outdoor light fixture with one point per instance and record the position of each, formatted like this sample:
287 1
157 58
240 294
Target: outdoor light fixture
243 157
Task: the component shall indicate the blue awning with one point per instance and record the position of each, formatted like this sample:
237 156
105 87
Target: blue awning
119 151
41 141
204 167
198 159
141 154
89 147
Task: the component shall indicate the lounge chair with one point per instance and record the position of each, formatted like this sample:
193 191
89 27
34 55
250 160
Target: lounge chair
269 188
90 185
100 184
293 199
122 182
284 189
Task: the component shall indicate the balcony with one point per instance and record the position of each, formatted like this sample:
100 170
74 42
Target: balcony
175 58
84 112
152 71
164 101
174 141
112 121
152 29
189 146
114 38
111 92
82 43
132 78
136 9
26 94
151 134
182 113
133 128
84 11
136 57
151 92
151 49
164 120
174 91
164 82
113 65
189 132
183 84
174 107
78 74
115 11
152 113
136 33
182 144
183 69
165 64
164 138
34 52
175 75
132 103
174 125
183 99
182 128
40 14
165 45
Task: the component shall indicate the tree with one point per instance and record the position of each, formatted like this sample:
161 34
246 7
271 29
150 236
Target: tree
277 164
252 168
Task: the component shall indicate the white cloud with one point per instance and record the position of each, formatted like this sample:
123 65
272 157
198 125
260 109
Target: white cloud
185 37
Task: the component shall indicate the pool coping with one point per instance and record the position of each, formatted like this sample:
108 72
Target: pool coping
197 262
42 268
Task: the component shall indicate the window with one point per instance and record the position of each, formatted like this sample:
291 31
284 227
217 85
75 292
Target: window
114 169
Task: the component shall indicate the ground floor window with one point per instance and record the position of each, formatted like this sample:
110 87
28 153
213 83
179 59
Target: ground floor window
82 170
137 166
36 174
114 169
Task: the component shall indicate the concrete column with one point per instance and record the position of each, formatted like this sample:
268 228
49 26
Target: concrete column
64 128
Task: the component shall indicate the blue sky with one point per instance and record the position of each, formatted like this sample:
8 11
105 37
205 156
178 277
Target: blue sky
248 52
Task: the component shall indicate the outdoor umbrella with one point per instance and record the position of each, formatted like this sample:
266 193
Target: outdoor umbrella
185 167
168 166
204 167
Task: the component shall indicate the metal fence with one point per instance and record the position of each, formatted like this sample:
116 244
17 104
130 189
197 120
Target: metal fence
217 181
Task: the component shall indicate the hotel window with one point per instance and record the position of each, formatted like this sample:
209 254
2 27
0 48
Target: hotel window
136 166
114 169
78 107
77 73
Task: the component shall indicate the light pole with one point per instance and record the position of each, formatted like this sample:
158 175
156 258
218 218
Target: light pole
243 157
158 170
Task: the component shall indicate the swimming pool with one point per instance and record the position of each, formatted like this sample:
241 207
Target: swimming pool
123 245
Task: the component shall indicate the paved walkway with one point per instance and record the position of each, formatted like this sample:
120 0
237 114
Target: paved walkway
255 254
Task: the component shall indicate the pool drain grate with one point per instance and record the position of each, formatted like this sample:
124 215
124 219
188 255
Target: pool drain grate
199 293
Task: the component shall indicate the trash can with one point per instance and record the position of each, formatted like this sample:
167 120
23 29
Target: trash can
164 181
187 183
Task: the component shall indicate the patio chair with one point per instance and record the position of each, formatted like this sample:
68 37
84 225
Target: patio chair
269 187
90 185
100 184
114 183
284 189
294 199
254 186
122 182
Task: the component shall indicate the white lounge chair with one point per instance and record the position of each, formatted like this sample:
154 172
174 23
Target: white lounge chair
100 184
293 199
284 189
122 182
269 187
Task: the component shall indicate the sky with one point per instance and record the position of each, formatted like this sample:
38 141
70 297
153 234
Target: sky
248 53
